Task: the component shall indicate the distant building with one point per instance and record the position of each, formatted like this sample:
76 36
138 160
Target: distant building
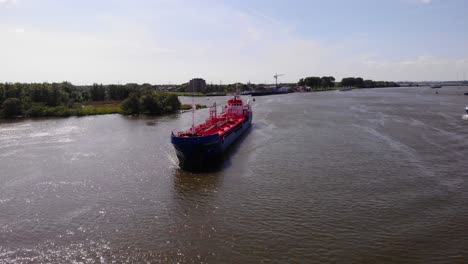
197 85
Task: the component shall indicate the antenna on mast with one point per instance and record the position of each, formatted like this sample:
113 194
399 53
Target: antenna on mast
193 110
276 79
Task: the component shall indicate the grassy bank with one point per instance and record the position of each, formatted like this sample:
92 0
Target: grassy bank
77 109
101 108
85 109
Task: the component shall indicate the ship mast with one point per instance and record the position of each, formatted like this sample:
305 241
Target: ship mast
193 110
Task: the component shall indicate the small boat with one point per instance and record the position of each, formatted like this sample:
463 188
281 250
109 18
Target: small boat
436 86
203 145
466 109
466 93
346 89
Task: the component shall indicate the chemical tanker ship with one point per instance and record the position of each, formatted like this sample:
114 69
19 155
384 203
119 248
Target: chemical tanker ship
203 145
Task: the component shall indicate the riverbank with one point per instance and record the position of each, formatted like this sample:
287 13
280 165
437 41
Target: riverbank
77 109
85 109
39 100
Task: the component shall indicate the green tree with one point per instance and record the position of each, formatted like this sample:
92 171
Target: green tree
314 82
12 107
67 87
350 81
173 102
327 81
97 92
359 82
2 93
147 86
131 105
150 104
369 84
55 96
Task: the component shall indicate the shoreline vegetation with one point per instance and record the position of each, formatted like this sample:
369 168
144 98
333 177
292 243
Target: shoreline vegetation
187 107
19 100
64 99
328 83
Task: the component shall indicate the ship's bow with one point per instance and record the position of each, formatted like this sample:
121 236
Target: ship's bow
196 152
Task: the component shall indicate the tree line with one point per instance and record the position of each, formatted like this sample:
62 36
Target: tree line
151 103
318 82
63 99
328 82
361 83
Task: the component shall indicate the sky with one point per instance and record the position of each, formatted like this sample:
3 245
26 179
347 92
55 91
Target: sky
173 41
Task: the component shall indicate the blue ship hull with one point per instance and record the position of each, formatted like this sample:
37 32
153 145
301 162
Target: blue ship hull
202 151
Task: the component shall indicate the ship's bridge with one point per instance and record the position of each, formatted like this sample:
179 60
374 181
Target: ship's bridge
235 106
235 102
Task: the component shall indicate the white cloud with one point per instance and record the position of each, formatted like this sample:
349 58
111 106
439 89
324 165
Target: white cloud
223 44
8 2
79 57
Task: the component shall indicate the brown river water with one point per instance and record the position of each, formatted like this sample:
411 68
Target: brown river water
363 176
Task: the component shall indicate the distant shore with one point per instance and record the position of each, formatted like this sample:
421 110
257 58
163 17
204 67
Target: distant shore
20 100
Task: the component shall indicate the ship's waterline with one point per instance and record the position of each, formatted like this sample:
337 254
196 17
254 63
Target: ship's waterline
367 176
